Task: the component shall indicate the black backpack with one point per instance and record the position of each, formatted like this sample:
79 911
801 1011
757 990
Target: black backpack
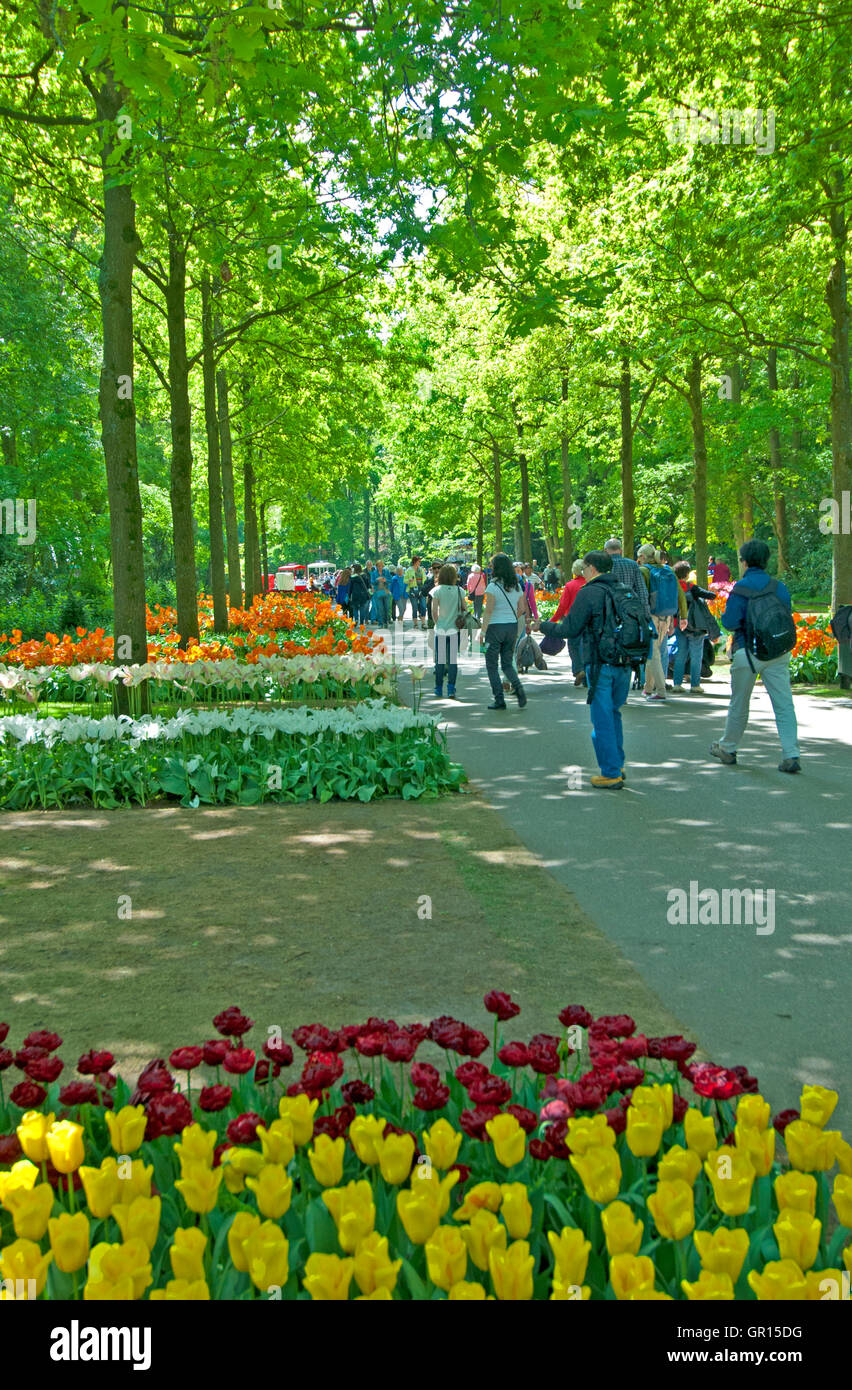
626 634
358 591
769 627
700 619
841 624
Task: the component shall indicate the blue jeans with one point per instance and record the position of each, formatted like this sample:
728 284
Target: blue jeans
361 613
418 606
446 658
500 640
607 739
381 604
691 645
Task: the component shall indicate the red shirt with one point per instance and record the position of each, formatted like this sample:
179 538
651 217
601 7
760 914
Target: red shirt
569 593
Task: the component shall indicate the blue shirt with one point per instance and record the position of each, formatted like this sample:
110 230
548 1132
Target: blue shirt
733 617
397 587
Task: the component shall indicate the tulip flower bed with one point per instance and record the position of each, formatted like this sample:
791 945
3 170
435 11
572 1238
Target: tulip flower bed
595 1163
224 756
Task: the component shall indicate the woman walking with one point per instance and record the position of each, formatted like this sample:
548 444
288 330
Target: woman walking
476 586
504 605
448 603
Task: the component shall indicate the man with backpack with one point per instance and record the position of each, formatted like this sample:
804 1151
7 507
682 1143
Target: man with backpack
759 614
611 621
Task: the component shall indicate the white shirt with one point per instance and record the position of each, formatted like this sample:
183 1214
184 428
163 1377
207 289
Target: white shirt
506 603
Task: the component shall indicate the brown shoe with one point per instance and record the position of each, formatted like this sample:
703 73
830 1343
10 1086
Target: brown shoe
608 783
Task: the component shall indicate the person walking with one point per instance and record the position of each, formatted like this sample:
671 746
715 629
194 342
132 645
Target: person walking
415 578
448 604
626 571
759 613
667 602
359 596
342 589
690 640
504 606
476 586
569 594
398 594
592 619
381 600
431 583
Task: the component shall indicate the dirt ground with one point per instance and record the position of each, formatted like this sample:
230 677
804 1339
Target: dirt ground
295 914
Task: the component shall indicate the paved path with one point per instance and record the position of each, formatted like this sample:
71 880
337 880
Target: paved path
779 1002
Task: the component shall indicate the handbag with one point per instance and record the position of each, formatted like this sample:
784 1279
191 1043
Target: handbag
551 645
465 621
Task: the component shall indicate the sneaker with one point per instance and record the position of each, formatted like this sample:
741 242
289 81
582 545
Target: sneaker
607 783
623 775
439 694
522 698
451 692
790 765
696 690
717 752
498 704
650 698
677 690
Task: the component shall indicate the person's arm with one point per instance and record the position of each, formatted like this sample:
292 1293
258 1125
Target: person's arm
681 606
732 618
706 594
487 610
572 625
563 606
532 606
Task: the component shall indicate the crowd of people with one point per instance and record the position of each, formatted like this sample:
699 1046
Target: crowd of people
623 620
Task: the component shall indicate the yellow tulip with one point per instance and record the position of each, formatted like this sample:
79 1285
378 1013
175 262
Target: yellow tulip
32 1134
481 1235
673 1209
516 1210
278 1142
709 1288
110 1264
65 1146
759 1147
644 1130
199 1186
681 1163
246 1162
589 1132
512 1271
377 1296
243 1226
267 1253
722 1251
753 1112
467 1292
629 1274
508 1138
842 1197
600 1173
622 1232
571 1254
811 1149
797 1233
327 1278
101 1187
110 1290
446 1257
560 1292
354 1212
700 1132
732 1176
133 1183
843 1156
22 1259
482 1196
22 1177
365 1136
796 1190
396 1155
441 1144
273 1190
326 1160
182 1291
419 1211
373 1267
659 1098
817 1105
823 1284
141 1218
69 1240
300 1112
127 1128
187 1254
196 1145
30 1209
779 1281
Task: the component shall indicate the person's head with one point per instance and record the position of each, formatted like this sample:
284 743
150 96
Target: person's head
660 557
399 570
504 571
577 568
356 568
682 568
755 555
528 568
613 546
711 559
436 566
595 563
415 559
447 574
647 554
345 576
475 568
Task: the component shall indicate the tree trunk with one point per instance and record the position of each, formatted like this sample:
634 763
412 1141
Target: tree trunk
780 502
366 525
264 551
214 465
837 298
526 530
628 495
567 529
9 444
498 500
699 477
518 538
480 527
391 536
376 530
180 482
251 563
232 531
117 412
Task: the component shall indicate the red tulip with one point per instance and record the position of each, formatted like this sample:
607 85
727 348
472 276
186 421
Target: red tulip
4 1032
503 1005
575 1014
215 1051
314 1037
80 1093
186 1058
279 1052
214 1098
473 1043
243 1128
6 1058
784 1118
527 1119
155 1078
424 1074
432 1097
399 1047
473 1122
232 1022
514 1054
42 1038
27 1095
45 1069
490 1090
10 1148
92 1062
238 1061
168 1113
468 1072
358 1092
